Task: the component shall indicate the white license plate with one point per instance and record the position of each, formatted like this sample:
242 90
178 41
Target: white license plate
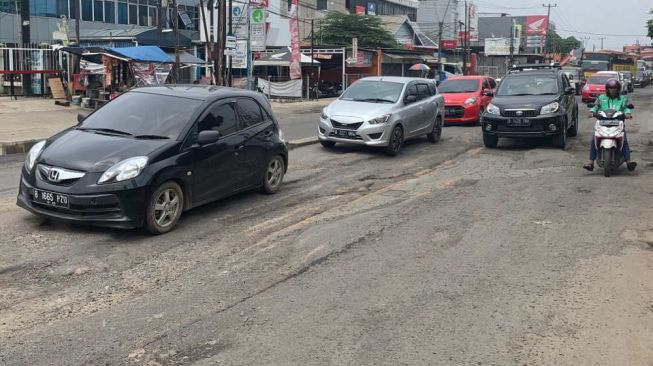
609 123
345 133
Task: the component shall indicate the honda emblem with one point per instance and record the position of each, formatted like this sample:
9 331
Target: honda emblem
53 175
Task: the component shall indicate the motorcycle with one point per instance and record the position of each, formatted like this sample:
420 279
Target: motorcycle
609 131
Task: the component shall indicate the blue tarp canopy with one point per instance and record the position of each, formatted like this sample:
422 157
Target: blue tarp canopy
142 54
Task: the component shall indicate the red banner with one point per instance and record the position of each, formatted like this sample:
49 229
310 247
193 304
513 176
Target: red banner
448 44
360 9
295 45
537 25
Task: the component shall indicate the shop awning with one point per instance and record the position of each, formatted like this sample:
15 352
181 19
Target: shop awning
142 54
186 58
282 58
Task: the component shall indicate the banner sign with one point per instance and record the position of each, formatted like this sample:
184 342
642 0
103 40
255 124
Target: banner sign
295 43
448 44
257 29
536 25
292 88
500 46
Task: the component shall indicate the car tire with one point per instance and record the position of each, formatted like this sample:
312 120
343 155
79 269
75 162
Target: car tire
273 175
490 141
436 133
164 208
396 141
328 144
573 130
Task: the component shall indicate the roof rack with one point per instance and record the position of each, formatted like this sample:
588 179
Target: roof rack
530 67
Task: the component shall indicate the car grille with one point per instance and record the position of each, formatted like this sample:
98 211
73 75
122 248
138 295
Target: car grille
346 126
536 125
81 211
59 176
524 113
454 112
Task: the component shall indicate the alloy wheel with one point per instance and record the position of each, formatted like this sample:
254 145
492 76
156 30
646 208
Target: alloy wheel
166 207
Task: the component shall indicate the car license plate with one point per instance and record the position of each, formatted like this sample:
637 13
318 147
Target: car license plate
51 198
519 122
345 133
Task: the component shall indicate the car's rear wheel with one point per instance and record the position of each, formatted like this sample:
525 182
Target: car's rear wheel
164 208
328 144
396 141
273 175
490 141
436 133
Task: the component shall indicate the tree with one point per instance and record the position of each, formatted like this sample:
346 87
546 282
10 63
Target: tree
337 29
557 44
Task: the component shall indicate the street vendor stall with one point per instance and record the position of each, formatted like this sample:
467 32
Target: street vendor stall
273 74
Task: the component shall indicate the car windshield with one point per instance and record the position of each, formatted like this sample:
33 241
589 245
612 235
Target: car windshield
373 91
598 79
460 86
528 85
142 115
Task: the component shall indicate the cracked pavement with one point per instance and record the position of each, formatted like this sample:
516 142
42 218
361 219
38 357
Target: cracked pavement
449 254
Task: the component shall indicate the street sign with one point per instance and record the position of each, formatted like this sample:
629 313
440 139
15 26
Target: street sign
230 45
257 29
239 20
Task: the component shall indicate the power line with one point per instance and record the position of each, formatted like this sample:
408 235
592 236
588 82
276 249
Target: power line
604 34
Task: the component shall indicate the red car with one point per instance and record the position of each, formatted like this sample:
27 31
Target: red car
594 87
466 97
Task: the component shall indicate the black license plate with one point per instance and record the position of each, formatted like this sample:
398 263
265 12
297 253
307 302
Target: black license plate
519 122
345 134
51 198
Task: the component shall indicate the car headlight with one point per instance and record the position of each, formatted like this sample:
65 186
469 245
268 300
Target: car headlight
492 109
550 108
126 169
378 120
324 115
33 154
470 101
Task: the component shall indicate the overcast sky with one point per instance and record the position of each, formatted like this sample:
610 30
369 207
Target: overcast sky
609 17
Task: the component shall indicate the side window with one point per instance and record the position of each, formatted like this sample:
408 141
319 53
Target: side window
433 89
565 81
221 118
486 84
249 112
412 90
423 91
493 84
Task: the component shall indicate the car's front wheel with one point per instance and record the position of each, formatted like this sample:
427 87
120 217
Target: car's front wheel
490 141
396 141
273 175
164 208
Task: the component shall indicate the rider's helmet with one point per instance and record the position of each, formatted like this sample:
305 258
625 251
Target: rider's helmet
613 88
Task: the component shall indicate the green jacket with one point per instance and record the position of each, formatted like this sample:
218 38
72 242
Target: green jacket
618 104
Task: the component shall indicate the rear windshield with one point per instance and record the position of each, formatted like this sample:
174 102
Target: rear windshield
598 79
460 86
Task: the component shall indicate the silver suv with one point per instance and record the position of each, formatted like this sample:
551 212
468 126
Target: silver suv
383 112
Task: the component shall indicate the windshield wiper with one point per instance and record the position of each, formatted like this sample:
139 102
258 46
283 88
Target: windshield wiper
375 100
151 137
106 130
516 95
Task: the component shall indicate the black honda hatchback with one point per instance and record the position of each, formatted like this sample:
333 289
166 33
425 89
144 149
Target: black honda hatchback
154 152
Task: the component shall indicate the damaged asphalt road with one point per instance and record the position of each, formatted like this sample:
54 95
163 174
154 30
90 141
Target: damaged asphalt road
449 254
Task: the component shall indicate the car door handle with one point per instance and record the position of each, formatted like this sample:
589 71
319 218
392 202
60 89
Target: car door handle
239 147
268 134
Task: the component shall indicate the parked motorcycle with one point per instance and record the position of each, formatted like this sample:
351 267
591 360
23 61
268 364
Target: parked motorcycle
609 133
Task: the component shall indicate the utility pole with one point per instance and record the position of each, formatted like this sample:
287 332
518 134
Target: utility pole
219 59
231 33
440 30
312 61
602 39
175 25
25 39
206 34
548 21
584 39
512 43
467 39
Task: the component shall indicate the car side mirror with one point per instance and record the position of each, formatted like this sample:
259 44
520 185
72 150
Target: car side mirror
569 90
207 137
81 116
591 105
410 99
630 106
488 93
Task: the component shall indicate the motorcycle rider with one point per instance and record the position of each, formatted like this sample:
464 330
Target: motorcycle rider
612 99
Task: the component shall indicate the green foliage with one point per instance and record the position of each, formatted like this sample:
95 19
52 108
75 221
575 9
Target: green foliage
649 25
337 29
557 44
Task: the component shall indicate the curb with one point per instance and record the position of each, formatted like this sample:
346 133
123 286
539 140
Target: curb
22 147
302 142
18 147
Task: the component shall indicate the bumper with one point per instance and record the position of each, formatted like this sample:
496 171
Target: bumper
537 126
590 97
365 134
124 209
461 114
